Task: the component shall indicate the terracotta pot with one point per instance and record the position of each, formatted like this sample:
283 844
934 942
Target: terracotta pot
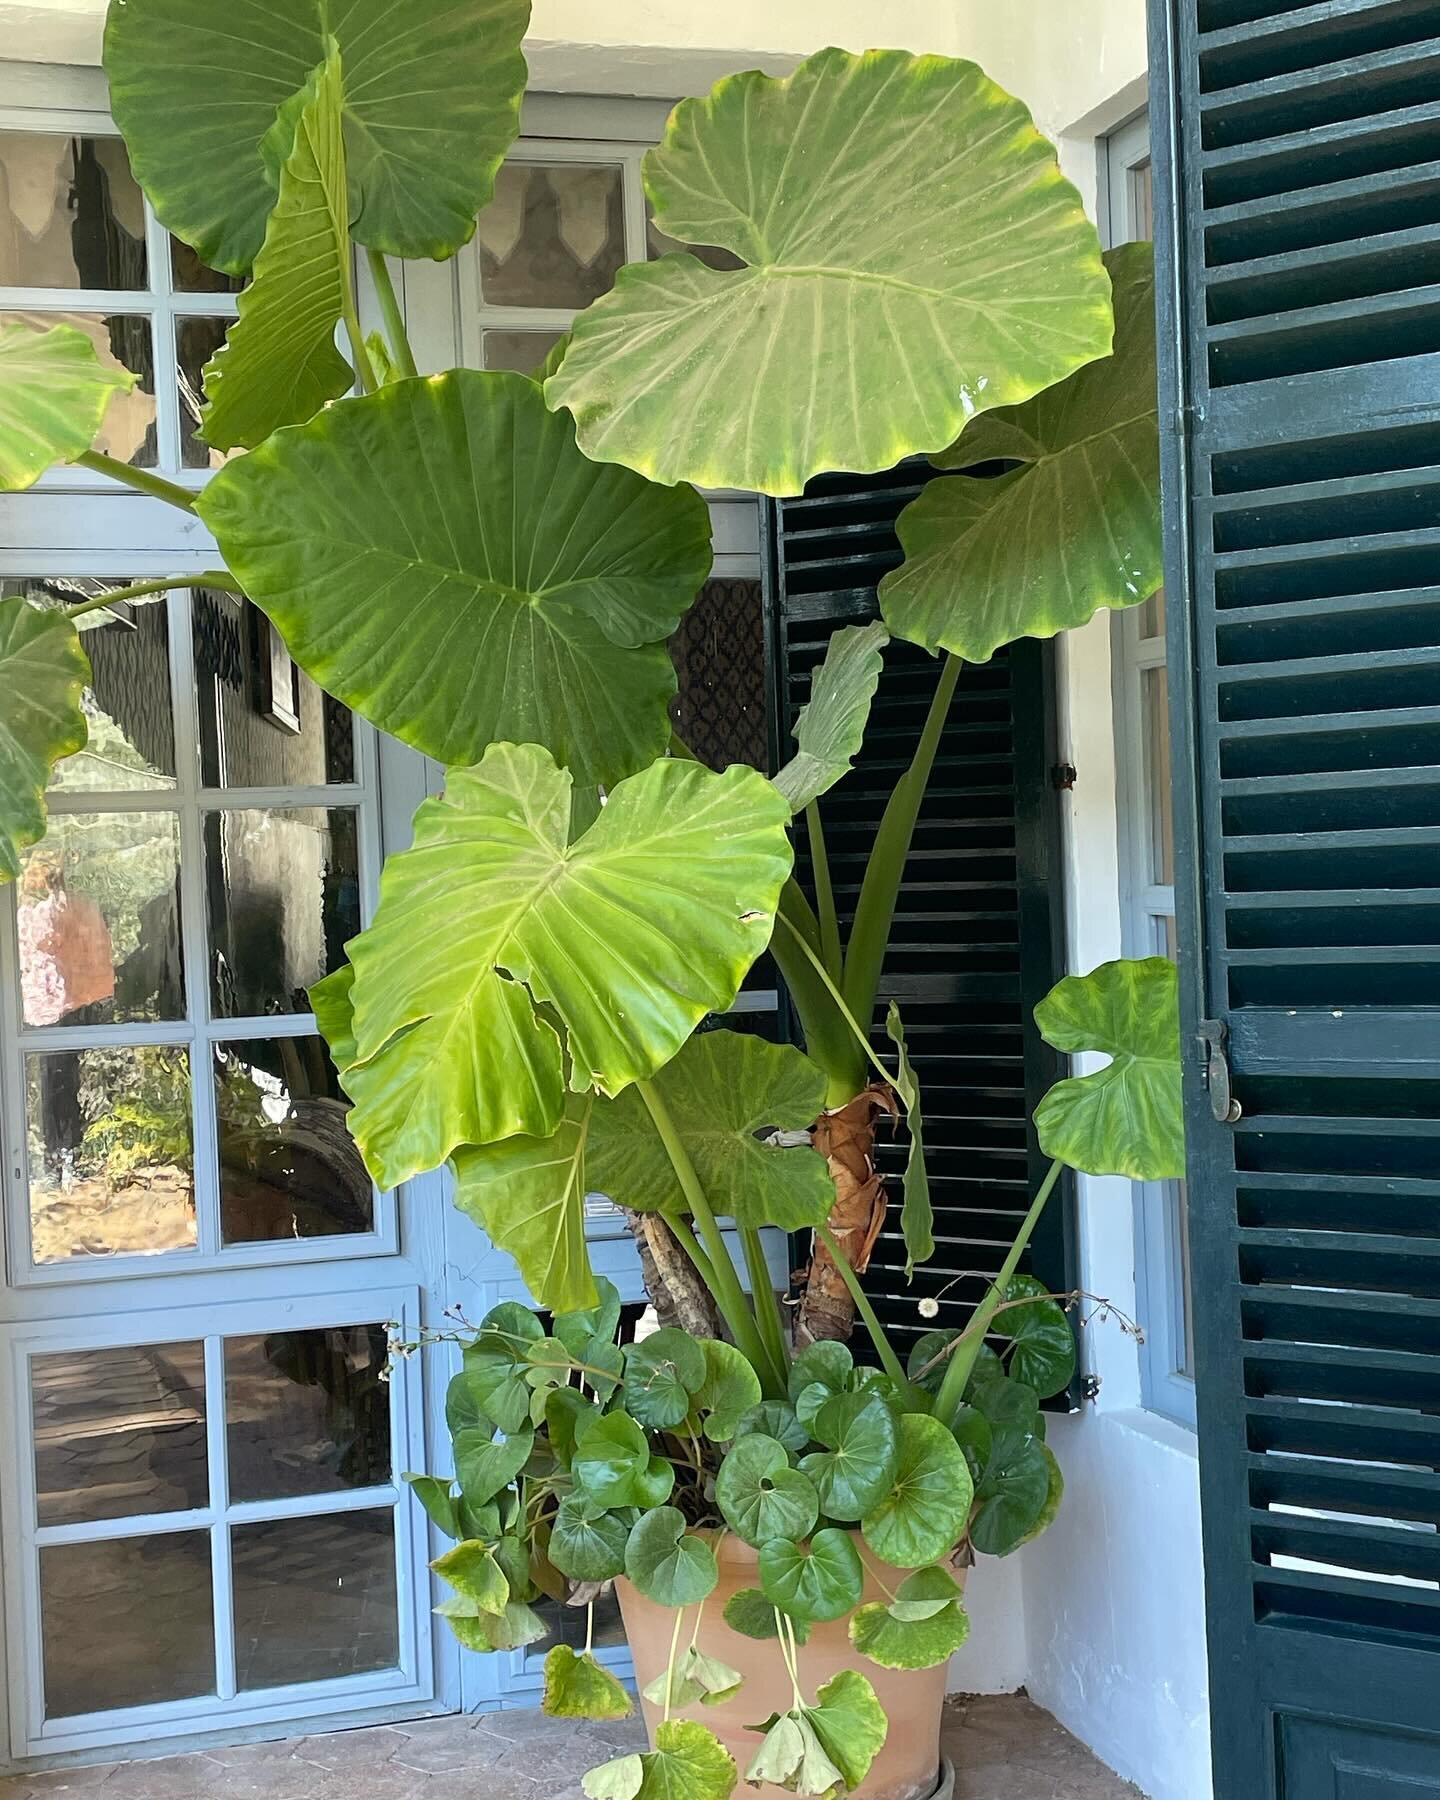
908 1768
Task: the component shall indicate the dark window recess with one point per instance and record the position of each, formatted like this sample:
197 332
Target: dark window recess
976 940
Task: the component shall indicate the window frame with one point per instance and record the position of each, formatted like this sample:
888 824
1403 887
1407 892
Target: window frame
1167 1383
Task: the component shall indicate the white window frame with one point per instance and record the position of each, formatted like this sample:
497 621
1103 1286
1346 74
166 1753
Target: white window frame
1167 1384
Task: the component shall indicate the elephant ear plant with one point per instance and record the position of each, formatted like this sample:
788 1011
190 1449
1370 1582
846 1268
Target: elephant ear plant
488 566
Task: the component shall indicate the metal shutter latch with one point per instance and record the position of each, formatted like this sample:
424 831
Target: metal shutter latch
1214 1036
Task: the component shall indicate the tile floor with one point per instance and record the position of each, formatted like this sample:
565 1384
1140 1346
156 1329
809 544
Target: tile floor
1004 1749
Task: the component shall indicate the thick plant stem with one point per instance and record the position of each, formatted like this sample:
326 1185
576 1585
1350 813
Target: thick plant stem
729 1295
889 1361
828 1038
762 1293
138 590
962 1363
395 332
875 910
156 486
830 950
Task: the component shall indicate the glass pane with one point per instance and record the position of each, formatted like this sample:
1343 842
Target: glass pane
121 342
188 275
71 215
554 235
284 898
567 1625
1141 183
288 1167
660 243
1155 724
1180 1203
196 341
1166 941
99 921
307 1412
119 1432
111 1167
1152 615
522 351
127 1623
314 1598
263 722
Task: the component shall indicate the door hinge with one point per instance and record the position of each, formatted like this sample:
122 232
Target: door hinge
1063 775
1214 1036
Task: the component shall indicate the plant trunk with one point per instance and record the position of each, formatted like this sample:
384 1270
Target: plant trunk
671 1280
846 1139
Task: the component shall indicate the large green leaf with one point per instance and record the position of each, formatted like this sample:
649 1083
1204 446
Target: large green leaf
856 1469
912 256
485 1465
917 1215
816 1581
632 934
663 1373
528 1195
1076 527
497 1370
53 394
688 1763
850 1722
278 364
922 1515
432 103
1012 1497
830 727
612 1464
668 1565
43 672
1125 1119
588 1541
920 1628
751 1614
456 612
722 1088
761 1496
1042 1339
730 1390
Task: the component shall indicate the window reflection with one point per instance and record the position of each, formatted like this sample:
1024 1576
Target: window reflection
554 235
288 1167
307 1412
521 351
71 214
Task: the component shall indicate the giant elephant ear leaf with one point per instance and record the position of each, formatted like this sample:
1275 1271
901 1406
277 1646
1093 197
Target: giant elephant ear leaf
1074 528
528 607
279 365
43 672
830 727
722 1088
922 260
53 394
203 93
493 910
1126 1118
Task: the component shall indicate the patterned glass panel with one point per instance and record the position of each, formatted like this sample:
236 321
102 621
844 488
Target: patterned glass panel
554 235
71 214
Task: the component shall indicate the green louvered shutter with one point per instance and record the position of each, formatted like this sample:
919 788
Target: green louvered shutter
977 933
1299 150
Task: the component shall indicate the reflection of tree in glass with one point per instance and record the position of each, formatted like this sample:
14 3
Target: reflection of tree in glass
138 1102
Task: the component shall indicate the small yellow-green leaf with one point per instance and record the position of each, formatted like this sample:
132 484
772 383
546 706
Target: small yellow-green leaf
43 672
578 1687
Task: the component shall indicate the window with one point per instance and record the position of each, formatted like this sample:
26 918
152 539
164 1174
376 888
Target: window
1147 862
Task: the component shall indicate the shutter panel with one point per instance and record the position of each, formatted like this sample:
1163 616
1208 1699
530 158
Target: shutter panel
976 937
1301 385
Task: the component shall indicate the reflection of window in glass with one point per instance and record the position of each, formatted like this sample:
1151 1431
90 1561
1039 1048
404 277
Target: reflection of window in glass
307 1412
288 1166
110 1160
314 1598
98 921
284 899
119 1432
71 213
521 351
553 236
126 1622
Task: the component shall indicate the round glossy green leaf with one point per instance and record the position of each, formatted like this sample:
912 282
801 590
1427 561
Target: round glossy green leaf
973 1433
587 1542
483 1466
922 260
498 1365
663 1373
818 1581
909 1643
729 1393
654 1483
922 1515
1043 1353
577 1687
1126 1119
455 613
850 1722
809 1401
197 91
53 394
1013 1494
722 1088
43 672
857 1467
279 365
684 866
1040 549
761 1496
830 727
752 1615
827 1362
610 1453
567 1414
777 1419
923 1351
665 1564
577 1330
